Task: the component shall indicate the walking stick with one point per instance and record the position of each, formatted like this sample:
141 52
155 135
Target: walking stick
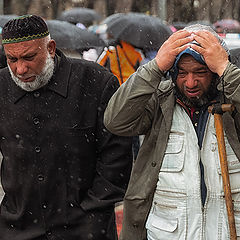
218 110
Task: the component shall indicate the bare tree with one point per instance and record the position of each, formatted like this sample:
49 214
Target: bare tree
111 6
7 6
22 7
124 6
101 7
177 10
55 8
154 7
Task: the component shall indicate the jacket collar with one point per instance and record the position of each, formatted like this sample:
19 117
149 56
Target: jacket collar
60 79
58 83
167 102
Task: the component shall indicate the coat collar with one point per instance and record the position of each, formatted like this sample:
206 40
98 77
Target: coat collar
60 79
58 83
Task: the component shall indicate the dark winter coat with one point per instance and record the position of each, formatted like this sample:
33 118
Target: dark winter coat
62 171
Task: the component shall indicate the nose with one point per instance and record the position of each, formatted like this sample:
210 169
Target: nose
190 81
21 68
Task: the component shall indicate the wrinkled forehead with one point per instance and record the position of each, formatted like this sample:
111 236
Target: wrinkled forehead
24 48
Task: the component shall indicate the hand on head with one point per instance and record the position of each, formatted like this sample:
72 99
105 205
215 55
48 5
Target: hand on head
175 44
210 48
213 53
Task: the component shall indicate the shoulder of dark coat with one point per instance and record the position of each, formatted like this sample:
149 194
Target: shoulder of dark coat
92 70
4 73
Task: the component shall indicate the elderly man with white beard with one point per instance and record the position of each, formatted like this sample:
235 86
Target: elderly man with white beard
62 171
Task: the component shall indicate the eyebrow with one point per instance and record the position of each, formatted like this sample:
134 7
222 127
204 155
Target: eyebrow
197 69
24 56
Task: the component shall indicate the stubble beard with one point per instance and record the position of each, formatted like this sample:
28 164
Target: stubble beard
41 80
198 102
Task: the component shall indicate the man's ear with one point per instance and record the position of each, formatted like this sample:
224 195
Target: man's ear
51 47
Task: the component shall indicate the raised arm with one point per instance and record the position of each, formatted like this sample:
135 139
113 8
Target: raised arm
130 110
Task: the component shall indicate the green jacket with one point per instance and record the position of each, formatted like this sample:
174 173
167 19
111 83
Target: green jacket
144 105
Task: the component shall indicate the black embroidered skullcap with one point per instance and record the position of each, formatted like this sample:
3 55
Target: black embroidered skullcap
24 28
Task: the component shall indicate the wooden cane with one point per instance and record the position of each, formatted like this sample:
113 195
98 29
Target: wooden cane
224 164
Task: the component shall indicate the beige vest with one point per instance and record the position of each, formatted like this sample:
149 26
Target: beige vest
177 212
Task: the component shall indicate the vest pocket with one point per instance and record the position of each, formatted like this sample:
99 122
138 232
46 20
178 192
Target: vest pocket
233 162
237 218
174 154
163 222
233 167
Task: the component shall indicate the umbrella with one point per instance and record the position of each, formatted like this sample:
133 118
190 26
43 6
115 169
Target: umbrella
179 25
85 16
112 17
227 25
69 36
5 18
140 30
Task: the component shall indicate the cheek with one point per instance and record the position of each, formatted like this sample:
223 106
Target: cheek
205 84
37 66
12 67
180 83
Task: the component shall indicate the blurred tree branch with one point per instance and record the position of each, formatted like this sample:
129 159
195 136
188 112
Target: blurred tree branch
176 10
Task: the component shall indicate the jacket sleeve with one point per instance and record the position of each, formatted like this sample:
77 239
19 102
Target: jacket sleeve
114 159
130 110
230 83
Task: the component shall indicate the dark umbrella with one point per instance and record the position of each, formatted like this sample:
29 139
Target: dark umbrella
69 36
85 16
112 18
227 25
140 30
179 25
5 18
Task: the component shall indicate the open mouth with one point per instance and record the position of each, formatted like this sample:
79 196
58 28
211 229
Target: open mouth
193 93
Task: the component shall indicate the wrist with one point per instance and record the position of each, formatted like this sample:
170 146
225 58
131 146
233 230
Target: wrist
221 70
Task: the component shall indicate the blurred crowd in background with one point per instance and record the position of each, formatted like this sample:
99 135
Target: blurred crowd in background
83 33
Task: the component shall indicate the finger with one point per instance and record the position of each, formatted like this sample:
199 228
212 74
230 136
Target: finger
198 49
205 38
175 51
179 34
182 48
207 35
182 41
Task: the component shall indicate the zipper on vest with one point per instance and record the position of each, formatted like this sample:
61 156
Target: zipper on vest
204 208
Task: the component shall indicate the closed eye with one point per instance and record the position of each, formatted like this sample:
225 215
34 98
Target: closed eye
12 59
29 58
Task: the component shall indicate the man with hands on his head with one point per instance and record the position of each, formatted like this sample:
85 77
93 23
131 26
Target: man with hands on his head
175 190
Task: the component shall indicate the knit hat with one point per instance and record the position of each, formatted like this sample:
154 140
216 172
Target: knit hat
24 28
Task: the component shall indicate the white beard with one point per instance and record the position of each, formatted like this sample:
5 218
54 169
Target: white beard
40 80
